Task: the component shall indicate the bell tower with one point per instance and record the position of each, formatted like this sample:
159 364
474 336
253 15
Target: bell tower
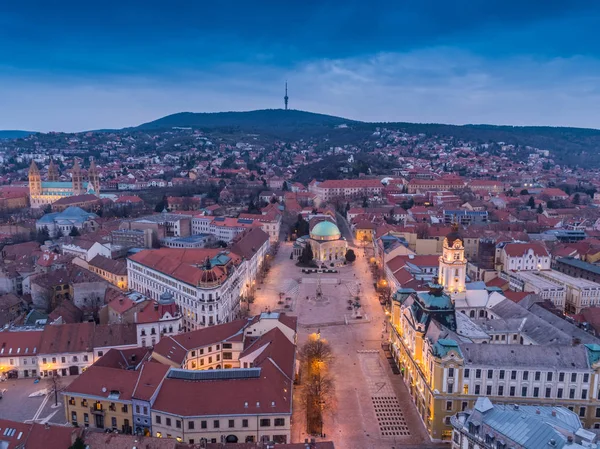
453 265
77 179
94 178
35 180
52 171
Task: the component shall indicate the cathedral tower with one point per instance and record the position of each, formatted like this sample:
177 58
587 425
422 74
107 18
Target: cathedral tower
52 172
453 265
35 180
77 179
94 178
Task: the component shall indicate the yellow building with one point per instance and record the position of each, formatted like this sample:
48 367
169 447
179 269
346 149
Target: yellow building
101 398
114 271
448 360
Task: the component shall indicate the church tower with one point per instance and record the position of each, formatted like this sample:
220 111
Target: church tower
77 179
94 178
35 180
52 172
453 265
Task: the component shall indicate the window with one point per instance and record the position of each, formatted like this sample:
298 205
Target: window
500 390
513 375
44 360
477 389
525 375
168 421
113 421
549 377
74 417
466 373
548 392
63 360
227 356
216 424
450 372
586 378
137 408
158 419
583 394
582 412
86 419
464 405
572 393
227 346
536 392
203 424
537 375
193 353
488 390
511 391
573 377
279 422
53 359
244 423
450 388
501 374
448 406
490 374
561 377
124 408
597 412
524 391
559 393
178 424
265 422
145 410
210 349
231 423
478 374
85 358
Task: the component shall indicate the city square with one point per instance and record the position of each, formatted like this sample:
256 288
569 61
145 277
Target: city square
372 406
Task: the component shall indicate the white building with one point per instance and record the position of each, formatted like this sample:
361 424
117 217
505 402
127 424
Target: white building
524 257
158 319
223 228
206 283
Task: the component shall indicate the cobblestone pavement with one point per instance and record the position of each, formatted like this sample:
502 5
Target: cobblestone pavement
373 408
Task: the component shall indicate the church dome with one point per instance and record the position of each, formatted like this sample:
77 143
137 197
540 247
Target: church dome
325 230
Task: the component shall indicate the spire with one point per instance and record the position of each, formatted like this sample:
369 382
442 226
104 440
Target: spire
33 168
52 171
286 98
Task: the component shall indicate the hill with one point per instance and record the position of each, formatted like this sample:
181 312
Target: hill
568 145
276 122
14 134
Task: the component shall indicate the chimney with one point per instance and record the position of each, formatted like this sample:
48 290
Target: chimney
516 406
553 412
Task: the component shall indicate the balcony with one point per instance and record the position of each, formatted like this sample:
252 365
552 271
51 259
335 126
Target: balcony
97 410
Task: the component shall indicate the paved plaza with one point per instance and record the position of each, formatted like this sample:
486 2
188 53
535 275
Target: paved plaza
16 404
373 408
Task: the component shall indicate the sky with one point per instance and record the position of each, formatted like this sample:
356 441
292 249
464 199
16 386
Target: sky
75 66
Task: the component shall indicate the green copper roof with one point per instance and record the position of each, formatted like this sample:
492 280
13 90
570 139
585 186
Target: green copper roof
593 351
325 229
443 346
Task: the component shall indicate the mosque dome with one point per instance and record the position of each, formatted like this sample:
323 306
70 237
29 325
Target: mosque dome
325 230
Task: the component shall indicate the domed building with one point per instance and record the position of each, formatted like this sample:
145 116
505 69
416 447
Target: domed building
327 244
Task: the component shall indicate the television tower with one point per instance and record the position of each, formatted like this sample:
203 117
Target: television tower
286 98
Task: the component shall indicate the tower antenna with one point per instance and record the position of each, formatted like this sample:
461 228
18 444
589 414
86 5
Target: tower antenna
286 98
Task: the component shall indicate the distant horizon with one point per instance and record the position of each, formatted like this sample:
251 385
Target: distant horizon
74 66
296 110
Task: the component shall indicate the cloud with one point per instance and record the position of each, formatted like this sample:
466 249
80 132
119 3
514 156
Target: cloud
440 84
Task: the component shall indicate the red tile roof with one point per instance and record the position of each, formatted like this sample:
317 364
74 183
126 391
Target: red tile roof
519 249
101 381
19 343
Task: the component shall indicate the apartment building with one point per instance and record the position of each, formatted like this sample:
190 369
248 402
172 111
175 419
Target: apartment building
270 223
113 271
223 228
346 189
532 281
172 397
577 268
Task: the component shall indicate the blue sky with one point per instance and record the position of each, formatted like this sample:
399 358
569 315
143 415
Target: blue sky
73 66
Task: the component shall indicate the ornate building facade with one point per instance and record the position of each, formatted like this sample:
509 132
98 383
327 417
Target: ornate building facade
445 356
42 193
